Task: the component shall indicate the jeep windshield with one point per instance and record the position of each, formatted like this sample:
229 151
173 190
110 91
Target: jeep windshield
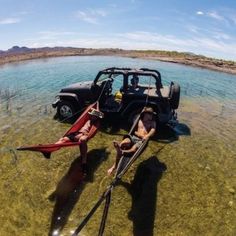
142 80
106 76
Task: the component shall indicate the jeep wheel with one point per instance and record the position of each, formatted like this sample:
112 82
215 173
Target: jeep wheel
174 96
65 111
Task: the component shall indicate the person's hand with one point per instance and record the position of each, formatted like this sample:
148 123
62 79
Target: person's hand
83 139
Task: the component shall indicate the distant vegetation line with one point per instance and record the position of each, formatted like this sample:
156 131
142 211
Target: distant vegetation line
16 54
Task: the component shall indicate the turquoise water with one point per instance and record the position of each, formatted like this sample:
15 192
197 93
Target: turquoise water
44 78
195 195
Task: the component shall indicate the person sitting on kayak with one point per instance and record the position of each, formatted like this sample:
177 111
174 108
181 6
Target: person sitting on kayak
82 136
146 128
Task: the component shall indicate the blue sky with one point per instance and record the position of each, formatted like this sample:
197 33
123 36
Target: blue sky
205 27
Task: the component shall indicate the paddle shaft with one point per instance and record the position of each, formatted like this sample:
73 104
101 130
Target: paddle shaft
92 211
107 195
105 213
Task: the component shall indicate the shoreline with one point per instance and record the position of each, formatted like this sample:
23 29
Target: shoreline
194 64
165 56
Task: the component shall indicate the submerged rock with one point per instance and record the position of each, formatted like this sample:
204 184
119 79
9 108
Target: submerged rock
19 107
231 190
5 128
208 167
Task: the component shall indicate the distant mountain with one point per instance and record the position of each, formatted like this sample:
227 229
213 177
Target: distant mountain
17 49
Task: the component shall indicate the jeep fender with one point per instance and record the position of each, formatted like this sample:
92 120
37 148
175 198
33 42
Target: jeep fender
68 96
72 97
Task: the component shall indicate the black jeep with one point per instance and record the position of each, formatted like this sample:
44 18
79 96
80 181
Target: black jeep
122 92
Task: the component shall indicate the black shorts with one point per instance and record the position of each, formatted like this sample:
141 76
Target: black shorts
134 140
71 136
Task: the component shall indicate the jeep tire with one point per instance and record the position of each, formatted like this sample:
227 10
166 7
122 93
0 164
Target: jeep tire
65 110
174 95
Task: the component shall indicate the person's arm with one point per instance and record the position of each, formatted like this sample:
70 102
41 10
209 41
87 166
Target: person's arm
136 132
151 132
85 128
131 150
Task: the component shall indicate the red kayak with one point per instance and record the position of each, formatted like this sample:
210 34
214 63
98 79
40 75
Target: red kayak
47 149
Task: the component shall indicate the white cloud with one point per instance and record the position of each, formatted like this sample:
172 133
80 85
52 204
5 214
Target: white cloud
215 15
192 28
214 46
232 16
221 35
91 16
199 13
227 16
8 21
98 12
214 33
54 34
86 17
199 45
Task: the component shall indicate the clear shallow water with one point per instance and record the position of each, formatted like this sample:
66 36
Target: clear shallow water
195 195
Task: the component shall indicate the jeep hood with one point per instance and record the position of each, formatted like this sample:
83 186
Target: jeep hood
78 87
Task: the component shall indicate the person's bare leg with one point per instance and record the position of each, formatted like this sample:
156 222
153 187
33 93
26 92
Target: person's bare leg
62 140
83 148
125 143
78 136
111 169
133 149
118 146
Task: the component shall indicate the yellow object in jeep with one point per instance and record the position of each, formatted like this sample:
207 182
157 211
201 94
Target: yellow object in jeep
118 96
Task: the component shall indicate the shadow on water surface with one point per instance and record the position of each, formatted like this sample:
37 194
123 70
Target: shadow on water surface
70 187
171 133
143 190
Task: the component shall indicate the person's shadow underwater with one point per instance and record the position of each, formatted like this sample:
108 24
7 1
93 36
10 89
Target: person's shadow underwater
143 190
70 187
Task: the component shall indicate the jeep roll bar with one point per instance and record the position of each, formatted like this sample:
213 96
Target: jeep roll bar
129 71
112 69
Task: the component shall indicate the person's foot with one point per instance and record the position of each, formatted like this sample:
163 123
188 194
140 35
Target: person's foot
110 171
85 169
117 147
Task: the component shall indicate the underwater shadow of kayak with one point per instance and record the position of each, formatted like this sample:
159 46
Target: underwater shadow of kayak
168 133
181 129
143 190
70 187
